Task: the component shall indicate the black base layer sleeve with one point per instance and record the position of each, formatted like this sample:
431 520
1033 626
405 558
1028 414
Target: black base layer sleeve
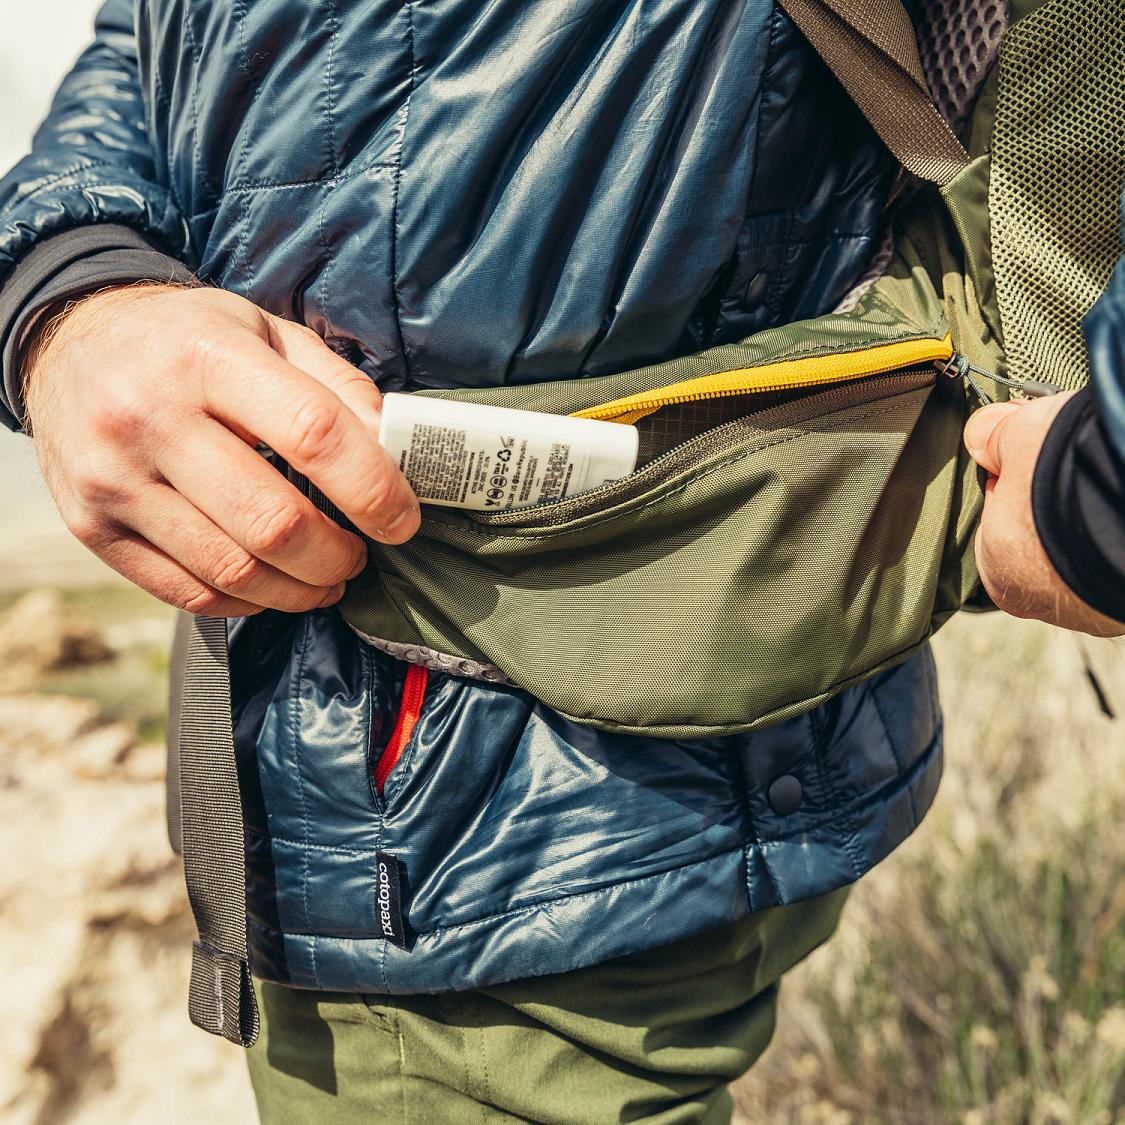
62 268
1078 500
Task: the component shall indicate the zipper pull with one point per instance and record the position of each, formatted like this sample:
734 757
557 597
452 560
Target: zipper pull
958 367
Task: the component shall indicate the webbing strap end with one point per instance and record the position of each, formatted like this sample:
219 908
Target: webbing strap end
221 996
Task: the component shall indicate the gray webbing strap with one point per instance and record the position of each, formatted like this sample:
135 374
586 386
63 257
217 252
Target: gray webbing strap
176 667
221 995
871 48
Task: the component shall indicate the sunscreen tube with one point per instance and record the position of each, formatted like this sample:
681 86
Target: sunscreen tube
493 459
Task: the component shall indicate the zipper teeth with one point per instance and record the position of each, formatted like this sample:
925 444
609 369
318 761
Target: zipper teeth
842 367
767 387
409 709
701 445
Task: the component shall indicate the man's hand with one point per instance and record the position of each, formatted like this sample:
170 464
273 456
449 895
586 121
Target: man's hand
145 404
1005 440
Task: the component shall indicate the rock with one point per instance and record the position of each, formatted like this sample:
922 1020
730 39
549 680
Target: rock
145 761
44 724
40 633
73 731
101 752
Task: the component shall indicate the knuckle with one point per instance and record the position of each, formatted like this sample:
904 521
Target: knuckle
120 413
234 571
122 417
199 601
360 385
89 529
381 502
196 349
253 318
342 572
204 351
331 574
276 528
315 432
95 484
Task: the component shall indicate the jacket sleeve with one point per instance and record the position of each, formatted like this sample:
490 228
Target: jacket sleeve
91 163
1105 341
1078 493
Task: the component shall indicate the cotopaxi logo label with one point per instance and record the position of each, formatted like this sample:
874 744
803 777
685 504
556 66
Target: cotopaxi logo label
388 904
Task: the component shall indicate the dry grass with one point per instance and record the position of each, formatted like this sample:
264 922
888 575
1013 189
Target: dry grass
979 974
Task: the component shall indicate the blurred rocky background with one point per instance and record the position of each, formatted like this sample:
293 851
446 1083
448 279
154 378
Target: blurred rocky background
94 925
978 977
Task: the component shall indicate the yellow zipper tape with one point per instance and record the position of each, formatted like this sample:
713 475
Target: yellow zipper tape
788 374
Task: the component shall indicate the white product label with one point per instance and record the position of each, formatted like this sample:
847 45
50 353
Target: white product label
491 458
442 468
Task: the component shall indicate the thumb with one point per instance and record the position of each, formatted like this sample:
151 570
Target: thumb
982 434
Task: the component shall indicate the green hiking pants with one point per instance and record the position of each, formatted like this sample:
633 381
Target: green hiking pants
654 1036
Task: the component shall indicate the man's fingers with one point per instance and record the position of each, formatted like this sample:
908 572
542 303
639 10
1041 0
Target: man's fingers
260 510
165 579
318 434
303 348
162 516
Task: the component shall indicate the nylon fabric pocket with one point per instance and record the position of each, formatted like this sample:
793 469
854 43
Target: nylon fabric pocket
732 581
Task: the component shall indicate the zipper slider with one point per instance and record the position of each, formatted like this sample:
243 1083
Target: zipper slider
958 367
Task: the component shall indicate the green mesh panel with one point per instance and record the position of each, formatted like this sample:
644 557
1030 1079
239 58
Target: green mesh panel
1058 166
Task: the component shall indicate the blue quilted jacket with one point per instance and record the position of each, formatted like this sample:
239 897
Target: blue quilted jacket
455 193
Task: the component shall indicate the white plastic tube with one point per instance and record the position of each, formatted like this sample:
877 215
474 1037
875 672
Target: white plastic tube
492 459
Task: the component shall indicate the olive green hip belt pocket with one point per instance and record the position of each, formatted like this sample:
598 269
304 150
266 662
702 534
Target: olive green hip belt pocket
792 527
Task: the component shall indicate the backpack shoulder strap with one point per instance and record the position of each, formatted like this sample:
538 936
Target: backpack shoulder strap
221 995
871 47
177 663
